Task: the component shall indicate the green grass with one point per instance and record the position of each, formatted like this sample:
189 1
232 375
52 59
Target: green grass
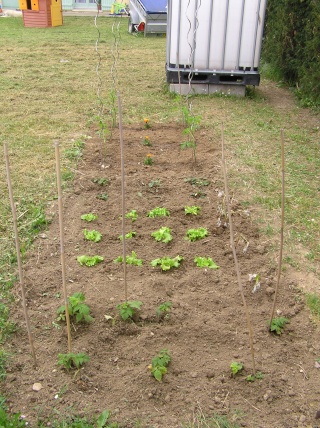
313 302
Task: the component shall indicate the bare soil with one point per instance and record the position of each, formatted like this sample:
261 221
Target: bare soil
207 327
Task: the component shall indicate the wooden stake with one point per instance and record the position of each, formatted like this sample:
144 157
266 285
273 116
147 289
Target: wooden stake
63 262
235 254
124 252
21 280
282 228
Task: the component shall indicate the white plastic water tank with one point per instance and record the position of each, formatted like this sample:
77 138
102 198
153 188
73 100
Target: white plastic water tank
214 41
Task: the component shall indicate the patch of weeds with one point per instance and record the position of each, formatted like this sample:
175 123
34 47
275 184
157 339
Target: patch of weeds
162 235
3 363
7 327
235 368
128 310
81 422
128 235
92 235
101 181
167 263
132 215
163 310
75 153
252 378
73 361
158 212
103 196
67 175
278 324
89 217
196 234
77 309
89 260
130 260
205 262
199 182
159 364
313 302
192 210
11 421
290 261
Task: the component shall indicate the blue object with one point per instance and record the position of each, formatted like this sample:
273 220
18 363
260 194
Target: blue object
154 6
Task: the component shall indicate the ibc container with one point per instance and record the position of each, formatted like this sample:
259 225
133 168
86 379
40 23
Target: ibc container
214 41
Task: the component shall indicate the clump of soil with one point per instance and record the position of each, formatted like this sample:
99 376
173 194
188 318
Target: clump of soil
206 328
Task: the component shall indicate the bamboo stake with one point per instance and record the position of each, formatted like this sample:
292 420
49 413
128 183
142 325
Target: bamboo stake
63 262
235 254
21 279
282 228
124 252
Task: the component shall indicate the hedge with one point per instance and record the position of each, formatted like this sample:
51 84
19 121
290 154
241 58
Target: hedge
292 44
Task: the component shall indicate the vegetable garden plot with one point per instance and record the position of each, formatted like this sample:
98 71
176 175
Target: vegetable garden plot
203 329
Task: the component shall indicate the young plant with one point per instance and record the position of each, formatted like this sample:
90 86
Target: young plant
159 364
89 217
162 235
92 235
193 210
167 263
154 184
130 260
195 234
146 123
133 215
77 309
89 260
163 310
158 212
199 182
128 235
146 141
127 310
73 361
252 378
192 123
148 159
101 181
103 196
278 324
205 262
235 368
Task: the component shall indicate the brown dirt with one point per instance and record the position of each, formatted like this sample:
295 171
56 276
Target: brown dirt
206 330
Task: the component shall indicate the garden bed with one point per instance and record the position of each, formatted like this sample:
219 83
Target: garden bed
205 330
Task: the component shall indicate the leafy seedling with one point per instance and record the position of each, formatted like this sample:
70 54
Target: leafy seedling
77 309
252 378
146 141
199 182
128 309
92 235
148 159
89 260
205 262
101 181
132 215
158 212
195 234
167 263
128 235
130 260
278 324
163 310
192 210
235 368
89 217
162 235
159 364
73 361
103 196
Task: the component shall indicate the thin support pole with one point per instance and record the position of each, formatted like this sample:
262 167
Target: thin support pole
282 228
235 254
15 227
123 201
63 262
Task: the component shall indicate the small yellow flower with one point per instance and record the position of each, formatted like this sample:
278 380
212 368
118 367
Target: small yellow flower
149 155
146 120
